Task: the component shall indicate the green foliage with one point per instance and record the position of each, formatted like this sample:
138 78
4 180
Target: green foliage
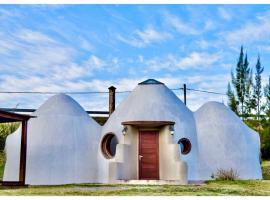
5 130
258 86
2 163
262 126
266 170
232 103
267 96
242 82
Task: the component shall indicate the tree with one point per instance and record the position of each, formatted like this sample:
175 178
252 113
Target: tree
237 80
258 87
265 135
232 102
249 100
242 82
267 96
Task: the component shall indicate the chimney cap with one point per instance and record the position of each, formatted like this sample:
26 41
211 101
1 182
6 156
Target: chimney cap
112 88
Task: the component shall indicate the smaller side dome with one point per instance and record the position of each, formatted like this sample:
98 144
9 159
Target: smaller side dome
60 104
225 142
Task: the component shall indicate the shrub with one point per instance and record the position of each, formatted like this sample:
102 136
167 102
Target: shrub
223 174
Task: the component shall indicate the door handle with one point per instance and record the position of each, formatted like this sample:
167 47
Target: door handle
140 157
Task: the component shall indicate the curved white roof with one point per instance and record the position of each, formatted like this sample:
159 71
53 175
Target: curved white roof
225 142
61 145
60 104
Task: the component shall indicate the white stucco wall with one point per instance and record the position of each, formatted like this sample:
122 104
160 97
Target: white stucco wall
64 142
225 142
61 145
153 103
12 150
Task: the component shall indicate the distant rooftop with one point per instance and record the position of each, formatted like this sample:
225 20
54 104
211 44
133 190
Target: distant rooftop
150 82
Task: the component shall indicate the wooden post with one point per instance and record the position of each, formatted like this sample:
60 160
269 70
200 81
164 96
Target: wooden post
23 153
111 99
185 94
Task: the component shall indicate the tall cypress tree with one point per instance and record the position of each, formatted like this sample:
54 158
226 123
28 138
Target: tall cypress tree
249 100
258 86
237 80
242 82
232 102
267 96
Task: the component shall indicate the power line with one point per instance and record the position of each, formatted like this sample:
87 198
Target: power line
100 92
205 91
27 92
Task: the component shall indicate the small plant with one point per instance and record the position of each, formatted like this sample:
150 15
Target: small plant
223 174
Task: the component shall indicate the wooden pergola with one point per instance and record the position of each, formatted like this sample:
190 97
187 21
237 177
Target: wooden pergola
14 117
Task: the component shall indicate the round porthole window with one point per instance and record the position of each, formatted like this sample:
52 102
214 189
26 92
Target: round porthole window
185 145
108 145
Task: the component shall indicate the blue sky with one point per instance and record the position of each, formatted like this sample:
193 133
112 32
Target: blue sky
91 47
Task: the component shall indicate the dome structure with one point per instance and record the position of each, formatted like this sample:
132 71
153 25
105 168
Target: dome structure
151 135
225 142
152 101
61 145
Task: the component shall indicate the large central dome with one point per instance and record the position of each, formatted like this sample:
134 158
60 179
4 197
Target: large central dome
151 100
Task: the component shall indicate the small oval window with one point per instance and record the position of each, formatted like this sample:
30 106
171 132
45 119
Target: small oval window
185 145
108 145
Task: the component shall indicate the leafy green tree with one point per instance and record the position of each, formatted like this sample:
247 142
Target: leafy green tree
258 87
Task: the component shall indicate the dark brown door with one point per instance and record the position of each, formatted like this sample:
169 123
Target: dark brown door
148 155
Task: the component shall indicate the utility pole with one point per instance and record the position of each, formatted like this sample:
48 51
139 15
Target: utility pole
185 94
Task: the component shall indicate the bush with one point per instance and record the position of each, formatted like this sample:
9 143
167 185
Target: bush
229 175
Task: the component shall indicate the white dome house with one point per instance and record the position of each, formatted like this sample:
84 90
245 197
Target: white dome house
61 145
151 135
148 125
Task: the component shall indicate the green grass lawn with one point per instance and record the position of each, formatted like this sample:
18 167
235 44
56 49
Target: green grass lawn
209 188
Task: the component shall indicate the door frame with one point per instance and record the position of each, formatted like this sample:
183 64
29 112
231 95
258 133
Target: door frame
157 149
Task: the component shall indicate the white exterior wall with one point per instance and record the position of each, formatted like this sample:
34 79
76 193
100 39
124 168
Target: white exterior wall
61 145
153 103
225 142
64 143
12 150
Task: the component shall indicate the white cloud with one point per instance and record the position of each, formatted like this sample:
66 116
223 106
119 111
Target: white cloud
198 60
33 36
250 32
146 37
180 26
203 44
195 60
208 25
94 63
86 44
224 14
8 13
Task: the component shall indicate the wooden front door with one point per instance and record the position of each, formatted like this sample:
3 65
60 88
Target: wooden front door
148 155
